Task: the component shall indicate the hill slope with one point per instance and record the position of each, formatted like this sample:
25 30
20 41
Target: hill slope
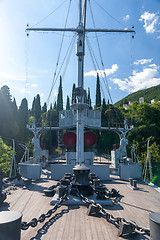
148 94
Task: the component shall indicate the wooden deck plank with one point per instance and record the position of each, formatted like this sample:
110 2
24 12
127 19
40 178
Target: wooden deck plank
73 223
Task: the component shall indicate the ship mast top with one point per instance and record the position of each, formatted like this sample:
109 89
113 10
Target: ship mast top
80 106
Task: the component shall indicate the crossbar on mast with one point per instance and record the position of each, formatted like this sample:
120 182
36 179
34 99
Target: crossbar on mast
78 30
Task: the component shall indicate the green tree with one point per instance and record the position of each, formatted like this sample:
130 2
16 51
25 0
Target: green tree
98 92
37 110
55 106
89 99
60 96
73 94
7 113
103 117
68 103
22 119
5 157
44 108
33 107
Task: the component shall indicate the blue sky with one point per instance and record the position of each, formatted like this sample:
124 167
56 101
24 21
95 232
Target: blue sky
27 64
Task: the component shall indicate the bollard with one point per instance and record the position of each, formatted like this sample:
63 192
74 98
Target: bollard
96 183
62 190
154 226
135 183
92 175
10 225
65 182
131 181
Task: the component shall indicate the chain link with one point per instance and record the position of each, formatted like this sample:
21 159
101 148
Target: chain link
132 226
110 218
33 223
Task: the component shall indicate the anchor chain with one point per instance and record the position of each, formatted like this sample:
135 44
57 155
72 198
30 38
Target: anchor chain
123 225
33 223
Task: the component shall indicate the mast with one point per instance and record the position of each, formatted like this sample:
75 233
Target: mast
79 91
80 97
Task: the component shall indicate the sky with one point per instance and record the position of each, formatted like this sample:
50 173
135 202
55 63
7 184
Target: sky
29 64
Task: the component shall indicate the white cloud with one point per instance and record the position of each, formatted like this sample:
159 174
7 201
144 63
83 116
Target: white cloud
12 77
139 80
150 21
23 90
143 61
42 95
56 93
102 72
34 85
127 17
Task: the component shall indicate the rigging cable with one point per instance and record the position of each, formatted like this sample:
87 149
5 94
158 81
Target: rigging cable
27 64
94 61
105 77
68 53
110 15
53 81
105 83
84 28
49 14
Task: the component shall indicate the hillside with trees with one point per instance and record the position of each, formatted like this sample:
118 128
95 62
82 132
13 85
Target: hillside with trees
148 94
145 118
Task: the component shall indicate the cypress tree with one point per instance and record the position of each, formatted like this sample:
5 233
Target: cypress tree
85 96
7 119
68 103
37 110
98 92
60 96
103 117
44 108
104 108
73 94
22 119
33 107
55 106
14 106
89 99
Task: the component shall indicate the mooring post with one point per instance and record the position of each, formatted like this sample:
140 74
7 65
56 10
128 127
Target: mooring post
10 225
154 226
131 181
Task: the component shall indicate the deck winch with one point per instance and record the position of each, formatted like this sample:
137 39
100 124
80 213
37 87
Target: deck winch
81 180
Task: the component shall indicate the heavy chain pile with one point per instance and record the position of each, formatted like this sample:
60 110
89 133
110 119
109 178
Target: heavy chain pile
33 223
123 225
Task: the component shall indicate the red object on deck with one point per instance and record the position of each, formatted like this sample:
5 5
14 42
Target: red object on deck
90 139
69 139
43 146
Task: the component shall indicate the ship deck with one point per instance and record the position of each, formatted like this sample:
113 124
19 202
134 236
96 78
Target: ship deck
72 222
